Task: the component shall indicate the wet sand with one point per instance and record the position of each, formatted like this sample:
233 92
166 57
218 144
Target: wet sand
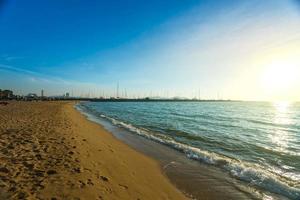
48 150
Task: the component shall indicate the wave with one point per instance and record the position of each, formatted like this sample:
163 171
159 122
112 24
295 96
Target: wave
253 174
290 127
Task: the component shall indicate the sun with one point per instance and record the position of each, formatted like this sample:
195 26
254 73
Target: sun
280 78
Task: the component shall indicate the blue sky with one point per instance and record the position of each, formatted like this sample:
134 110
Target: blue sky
165 48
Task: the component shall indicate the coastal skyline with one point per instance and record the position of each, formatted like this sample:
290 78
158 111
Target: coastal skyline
231 50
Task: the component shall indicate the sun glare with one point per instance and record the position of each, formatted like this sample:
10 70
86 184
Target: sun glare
280 78
281 106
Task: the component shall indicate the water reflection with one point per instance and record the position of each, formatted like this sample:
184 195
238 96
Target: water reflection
282 106
279 135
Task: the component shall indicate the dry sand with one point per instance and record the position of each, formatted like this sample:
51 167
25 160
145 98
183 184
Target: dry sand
50 151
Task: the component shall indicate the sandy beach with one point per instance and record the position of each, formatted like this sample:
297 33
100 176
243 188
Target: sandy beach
48 150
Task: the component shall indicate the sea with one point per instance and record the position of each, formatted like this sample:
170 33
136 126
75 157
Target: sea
256 143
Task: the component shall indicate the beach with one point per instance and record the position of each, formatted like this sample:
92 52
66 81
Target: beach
48 150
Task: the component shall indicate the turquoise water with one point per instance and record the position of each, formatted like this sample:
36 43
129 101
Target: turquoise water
256 142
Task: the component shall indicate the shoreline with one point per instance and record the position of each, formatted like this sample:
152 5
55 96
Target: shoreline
149 165
132 124
194 179
51 151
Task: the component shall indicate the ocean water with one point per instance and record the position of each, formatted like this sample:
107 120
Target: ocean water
255 142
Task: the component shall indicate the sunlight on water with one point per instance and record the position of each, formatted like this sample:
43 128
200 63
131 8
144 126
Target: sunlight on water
282 106
279 136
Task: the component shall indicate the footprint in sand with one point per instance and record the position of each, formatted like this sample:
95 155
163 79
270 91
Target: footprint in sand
51 172
123 186
103 178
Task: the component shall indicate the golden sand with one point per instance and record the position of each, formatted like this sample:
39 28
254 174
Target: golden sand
48 150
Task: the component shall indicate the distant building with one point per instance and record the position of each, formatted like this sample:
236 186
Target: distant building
42 93
6 94
31 96
67 95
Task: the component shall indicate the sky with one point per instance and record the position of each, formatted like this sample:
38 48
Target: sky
244 50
